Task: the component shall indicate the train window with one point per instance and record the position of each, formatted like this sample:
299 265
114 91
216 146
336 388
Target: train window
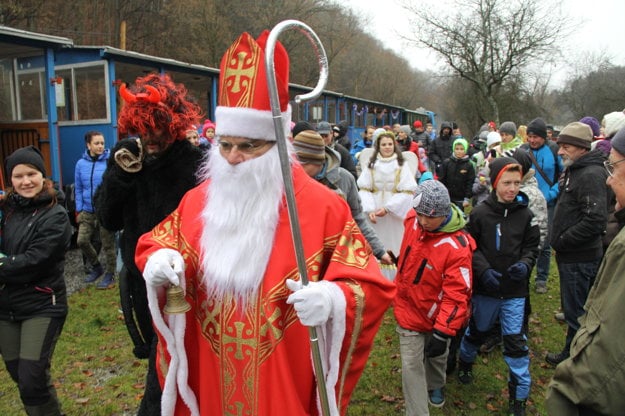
7 108
90 93
31 88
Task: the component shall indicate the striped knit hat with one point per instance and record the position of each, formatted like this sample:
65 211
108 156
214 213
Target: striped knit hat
310 147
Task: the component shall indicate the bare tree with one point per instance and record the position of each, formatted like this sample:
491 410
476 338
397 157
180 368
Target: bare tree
488 41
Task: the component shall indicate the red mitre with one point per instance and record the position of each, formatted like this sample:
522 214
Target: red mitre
244 108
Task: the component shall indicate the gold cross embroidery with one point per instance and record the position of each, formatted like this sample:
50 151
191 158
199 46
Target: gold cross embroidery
239 340
238 73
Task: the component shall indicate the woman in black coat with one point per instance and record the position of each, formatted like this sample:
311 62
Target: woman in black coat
33 300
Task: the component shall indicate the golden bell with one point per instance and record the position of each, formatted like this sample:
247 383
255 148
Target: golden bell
176 303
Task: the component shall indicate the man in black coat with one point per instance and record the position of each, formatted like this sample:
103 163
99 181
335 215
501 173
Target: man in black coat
441 148
579 223
144 181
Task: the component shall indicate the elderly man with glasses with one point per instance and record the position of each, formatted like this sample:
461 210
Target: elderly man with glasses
591 382
579 222
244 346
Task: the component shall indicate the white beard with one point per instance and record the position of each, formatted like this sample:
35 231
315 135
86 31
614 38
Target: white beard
240 218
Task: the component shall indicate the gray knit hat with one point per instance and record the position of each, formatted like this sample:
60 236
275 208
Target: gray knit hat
432 199
508 127
618 141
576 133
310 147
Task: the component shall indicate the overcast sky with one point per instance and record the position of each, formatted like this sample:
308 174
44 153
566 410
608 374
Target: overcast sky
600 26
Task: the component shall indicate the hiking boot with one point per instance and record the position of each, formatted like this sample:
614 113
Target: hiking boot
107 282
465 372
559 317
436 397
541 287
490 343
555 358
516 408
95 273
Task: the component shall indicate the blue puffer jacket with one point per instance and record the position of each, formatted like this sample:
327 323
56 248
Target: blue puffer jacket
87 178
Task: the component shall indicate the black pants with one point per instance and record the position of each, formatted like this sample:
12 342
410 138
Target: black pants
27 347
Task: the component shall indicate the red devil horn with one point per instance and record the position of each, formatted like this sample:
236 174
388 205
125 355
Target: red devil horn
127 95
153 96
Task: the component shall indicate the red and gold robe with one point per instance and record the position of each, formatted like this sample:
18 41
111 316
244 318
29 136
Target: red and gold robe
257 361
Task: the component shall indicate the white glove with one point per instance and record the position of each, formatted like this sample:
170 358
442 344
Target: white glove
313 303
164 265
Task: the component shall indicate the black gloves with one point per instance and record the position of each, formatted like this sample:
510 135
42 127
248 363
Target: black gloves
437 345
518 271
490 279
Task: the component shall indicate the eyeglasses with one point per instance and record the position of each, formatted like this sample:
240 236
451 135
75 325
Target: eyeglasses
245 147
609 166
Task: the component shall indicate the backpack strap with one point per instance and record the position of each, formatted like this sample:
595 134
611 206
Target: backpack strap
539 169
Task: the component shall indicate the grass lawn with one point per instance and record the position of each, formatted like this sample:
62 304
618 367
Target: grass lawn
95 372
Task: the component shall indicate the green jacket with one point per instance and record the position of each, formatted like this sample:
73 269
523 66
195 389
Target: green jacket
594 376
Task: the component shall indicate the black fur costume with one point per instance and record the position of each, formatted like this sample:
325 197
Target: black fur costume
135 203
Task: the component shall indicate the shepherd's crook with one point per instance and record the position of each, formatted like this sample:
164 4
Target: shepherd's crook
285 166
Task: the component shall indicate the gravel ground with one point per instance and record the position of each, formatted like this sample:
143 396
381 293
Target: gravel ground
74 271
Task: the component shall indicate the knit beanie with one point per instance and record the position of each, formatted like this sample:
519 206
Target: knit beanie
25 156
207 125
537 127
508 127
432 199
577 134
524 159
618 141
462 141
593 123
405 128
310 147
613 122
498 166
376 134
492 139
417 124
300 126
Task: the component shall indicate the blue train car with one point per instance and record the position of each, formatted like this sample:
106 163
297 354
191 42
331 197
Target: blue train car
52 92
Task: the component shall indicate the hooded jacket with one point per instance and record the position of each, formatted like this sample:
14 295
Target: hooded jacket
35 236
87 177
504 234
581 214
441 149
434 276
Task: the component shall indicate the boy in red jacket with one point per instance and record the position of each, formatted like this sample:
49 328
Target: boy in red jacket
433 291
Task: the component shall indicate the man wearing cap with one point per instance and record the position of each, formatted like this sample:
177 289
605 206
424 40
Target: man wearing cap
433 291
548 166
244 346
325 130
507 238
592 382
579 222
322 163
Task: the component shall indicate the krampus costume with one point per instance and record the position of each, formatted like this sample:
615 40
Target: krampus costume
143 183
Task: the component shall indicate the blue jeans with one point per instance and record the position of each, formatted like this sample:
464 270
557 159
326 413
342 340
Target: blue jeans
576 279
544 257
485 311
